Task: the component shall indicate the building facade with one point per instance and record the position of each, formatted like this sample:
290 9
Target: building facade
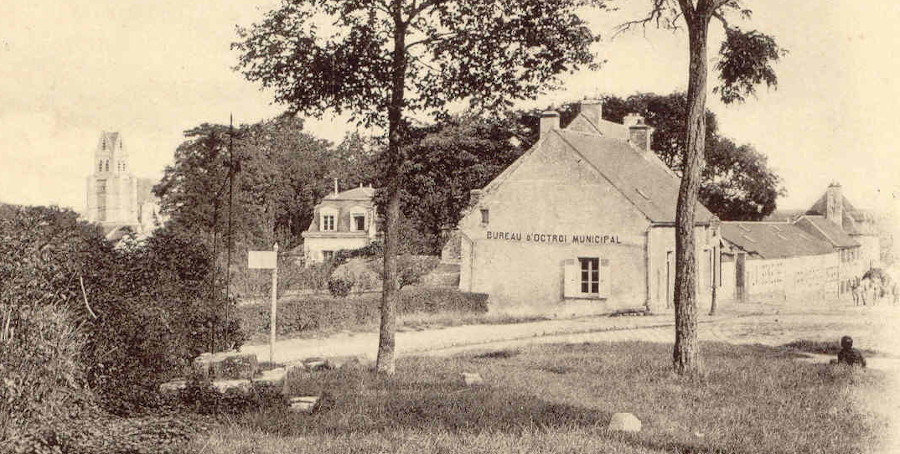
342 220
817 255
583 222
115 198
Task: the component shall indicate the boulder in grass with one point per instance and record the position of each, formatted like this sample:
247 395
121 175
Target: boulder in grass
624 422
172 387
241 385
472 379
272 376
303 404
226 365
314 364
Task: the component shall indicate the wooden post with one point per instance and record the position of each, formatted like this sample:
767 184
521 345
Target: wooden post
274 306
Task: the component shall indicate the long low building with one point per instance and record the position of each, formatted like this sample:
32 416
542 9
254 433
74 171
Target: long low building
582 222
818 255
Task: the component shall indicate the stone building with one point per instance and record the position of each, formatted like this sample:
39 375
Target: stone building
583 222
814 255
342 220
115 198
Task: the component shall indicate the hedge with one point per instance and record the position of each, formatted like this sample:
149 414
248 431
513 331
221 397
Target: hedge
315 313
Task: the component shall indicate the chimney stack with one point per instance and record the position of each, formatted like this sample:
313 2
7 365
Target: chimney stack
335 186
592 109
549 121
639 133
834 204
474 197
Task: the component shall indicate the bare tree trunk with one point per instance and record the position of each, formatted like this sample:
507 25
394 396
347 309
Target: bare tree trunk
390 293
686 352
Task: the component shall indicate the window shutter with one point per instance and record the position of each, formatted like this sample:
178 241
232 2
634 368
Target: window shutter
605 278
570 279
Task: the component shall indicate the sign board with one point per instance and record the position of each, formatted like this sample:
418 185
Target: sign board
265 260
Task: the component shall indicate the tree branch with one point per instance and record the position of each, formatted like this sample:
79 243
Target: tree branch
84 294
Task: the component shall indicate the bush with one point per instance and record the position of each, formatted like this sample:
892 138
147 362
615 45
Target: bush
144 308
41 380
317 313
339 287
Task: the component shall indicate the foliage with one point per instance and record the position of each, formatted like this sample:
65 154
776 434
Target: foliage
449 159
280 173
387 58
339 286
144 309
308 314
42 382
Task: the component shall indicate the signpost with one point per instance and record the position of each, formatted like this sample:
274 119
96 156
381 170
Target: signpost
268 261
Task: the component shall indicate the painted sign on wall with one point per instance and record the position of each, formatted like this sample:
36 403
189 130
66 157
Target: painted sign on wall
557 238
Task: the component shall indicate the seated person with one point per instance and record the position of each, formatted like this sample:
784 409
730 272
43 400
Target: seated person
849 355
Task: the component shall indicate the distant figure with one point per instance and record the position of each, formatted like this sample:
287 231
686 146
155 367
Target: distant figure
855 290
849 355
895 293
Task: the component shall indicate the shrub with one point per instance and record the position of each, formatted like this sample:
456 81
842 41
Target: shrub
316 313
339 286
41 380
144 308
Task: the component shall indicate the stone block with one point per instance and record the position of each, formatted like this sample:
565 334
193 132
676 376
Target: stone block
172 387
227 365
624 422
304 404
472 379
273 376
242 385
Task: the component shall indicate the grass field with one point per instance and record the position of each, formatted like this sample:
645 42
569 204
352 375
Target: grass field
559 398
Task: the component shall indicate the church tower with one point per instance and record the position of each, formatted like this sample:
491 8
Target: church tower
111 188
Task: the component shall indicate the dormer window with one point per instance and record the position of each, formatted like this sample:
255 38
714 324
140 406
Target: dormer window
357 219
328 219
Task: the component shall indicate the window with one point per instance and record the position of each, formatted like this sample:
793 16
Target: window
100 166
590 275
327 255
328 222
485 216
359 222
107 165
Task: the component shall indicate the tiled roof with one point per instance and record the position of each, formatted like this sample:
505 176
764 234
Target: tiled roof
639 175
826 230
363 193
582 123
784 215
772 240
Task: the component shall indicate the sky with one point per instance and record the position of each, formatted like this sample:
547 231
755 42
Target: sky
153 69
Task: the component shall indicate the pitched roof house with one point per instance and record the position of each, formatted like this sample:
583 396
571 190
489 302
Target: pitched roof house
582 221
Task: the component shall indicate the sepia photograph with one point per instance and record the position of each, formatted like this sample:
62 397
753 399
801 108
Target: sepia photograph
449 226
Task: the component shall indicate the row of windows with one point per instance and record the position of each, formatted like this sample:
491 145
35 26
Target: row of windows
357 222
105 165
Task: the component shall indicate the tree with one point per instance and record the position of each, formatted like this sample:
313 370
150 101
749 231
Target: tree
384 59
745 62
446 161
281 173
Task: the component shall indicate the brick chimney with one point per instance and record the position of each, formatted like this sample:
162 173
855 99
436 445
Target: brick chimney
639 133
834 204
592 109
474 197
549 121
